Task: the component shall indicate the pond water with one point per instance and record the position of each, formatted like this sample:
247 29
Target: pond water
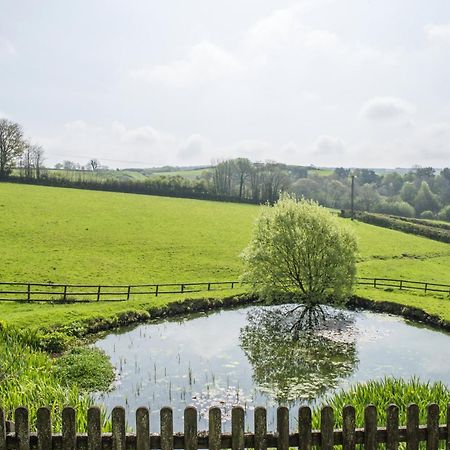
249 357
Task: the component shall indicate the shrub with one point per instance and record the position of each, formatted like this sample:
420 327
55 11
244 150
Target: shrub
88 368
444 213
397 208
427 215
54 342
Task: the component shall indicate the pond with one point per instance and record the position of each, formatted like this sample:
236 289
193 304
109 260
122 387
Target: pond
249 357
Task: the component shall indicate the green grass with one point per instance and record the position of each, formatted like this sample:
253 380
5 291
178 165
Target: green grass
188 174
387 391
29 377
76 236
88 368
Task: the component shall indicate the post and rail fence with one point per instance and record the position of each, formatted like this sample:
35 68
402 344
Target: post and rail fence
431 436
70 293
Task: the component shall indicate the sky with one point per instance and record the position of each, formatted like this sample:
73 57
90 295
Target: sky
144 83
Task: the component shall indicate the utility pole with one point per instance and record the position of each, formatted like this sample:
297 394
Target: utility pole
353 197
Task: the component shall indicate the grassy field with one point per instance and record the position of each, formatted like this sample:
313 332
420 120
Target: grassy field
76 236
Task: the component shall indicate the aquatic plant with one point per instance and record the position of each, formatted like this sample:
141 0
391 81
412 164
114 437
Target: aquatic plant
386 391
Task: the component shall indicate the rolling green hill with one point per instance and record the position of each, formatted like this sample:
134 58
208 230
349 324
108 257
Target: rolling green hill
68 235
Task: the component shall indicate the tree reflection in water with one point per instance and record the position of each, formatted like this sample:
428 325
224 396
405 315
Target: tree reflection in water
291 365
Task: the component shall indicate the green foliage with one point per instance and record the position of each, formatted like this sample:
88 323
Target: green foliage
408 226
382 393
28 377
86 367
397 208
300 249
54 342
427 215
425 199
444 213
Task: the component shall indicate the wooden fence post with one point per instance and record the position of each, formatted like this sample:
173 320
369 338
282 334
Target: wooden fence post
118 428
166 420
128 292
426 287
374 282
392 427
348 428
98 293
190 428
283 428
22 429
260 428
327 428
237 428
215 429
370 428
28 292
65 293
2 430
69 432
44 429
142 429
412 427
94 429
156 290
433 427
304 428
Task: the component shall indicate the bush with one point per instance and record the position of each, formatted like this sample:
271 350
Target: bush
88 368
427 215
55 342
397 208
444 213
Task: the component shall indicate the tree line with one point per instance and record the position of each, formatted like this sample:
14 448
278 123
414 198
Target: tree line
421 192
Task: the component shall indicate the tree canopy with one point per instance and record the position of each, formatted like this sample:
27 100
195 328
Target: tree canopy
300 250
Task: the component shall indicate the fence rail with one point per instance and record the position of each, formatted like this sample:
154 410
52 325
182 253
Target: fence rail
68 293
18 437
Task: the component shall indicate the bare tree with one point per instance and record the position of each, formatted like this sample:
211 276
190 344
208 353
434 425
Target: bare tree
94 164
26 162
12 145
37 155
243 167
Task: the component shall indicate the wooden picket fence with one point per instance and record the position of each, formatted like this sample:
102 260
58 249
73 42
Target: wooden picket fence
68 293
16 436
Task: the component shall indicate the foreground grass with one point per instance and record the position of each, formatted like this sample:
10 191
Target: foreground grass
384 392
29 377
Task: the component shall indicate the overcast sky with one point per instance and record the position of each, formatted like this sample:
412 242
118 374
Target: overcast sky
146 83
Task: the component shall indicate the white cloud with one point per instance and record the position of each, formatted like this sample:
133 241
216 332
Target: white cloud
194 149
7 48
329 146
204 62
386 108
438 34
117 145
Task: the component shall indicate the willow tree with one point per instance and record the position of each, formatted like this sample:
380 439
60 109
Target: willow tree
300 252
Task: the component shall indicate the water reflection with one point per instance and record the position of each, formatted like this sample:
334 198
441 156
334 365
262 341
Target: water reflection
289 365
248 357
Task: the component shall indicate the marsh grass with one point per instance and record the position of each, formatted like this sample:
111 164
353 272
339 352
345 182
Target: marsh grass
29 377
384 392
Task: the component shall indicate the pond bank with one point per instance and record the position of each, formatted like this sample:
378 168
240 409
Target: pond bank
187 306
